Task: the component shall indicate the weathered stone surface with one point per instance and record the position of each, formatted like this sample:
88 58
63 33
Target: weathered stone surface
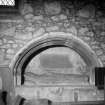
6 46
20 27
52 28
68 4
99 14
37 102
62 17
87 11
18 41
98 29
23 35
1 87
47 20
97 24
56 33
30 29
21 45
87 39
38 9
102 57
103 46
58 22
90 34
102 33
4 63
1 55
46 93
94 43
4 40
2 58
55 18
14 45
94 47
18 20
26 8
52 8
100 39
39 32
3 26
11 41
82 31
9 56
10 51
100 95
87 95
1 42
49 24
9 32
99 52
66 24
29 16
36 18
72 29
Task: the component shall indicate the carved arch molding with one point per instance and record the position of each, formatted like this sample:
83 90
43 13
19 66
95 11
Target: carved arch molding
38 45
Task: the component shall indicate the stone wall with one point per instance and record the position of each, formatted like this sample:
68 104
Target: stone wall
52 17
87 23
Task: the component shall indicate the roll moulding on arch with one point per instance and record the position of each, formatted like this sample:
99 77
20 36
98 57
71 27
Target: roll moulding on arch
46 41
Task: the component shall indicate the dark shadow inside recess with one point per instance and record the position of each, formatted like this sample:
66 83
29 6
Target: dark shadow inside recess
33 55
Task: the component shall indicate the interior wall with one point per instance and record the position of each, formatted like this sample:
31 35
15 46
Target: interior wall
83 20
43 18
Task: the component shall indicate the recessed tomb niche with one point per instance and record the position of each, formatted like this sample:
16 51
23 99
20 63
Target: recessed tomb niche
57 66
53 67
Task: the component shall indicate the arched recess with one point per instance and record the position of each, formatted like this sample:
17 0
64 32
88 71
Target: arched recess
47 41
